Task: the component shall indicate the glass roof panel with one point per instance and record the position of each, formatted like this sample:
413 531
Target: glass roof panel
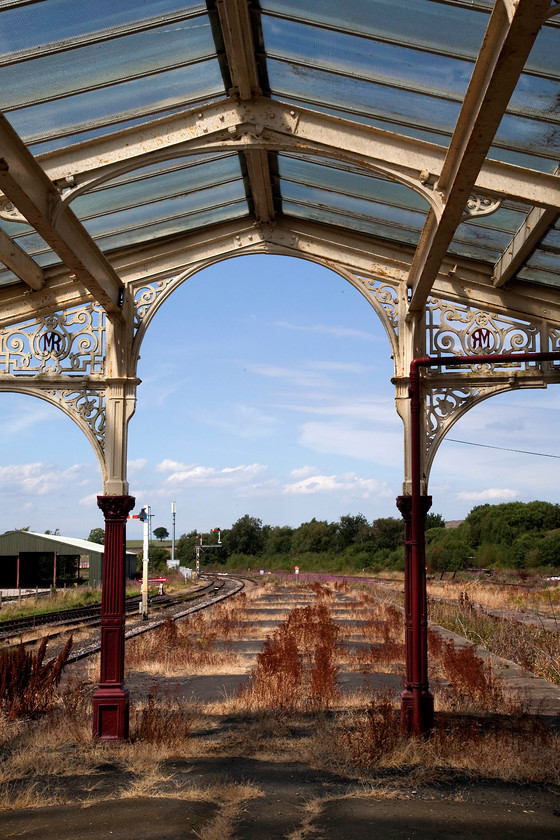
181 224
352 207
309 86
34 25
40 146
7 278
95 65
539 277
68 69
366 58
141 187
403 66
172 212
122 101
168 208
456 29
355 223
479 243
330 176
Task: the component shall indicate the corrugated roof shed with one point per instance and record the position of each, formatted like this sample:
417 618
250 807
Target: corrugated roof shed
14 542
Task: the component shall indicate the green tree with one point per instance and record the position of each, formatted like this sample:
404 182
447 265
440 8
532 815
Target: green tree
184 549
157 558
278 540
434 520
447 551
244 537
388 532
503 524
161 533
97 535
352 530
316 536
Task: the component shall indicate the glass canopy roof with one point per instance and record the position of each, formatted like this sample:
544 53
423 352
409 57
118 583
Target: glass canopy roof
85 85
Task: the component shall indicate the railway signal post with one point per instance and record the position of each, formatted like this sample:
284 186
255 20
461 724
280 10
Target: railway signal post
200 546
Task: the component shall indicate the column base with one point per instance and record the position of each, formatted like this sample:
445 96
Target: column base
417 712
111 714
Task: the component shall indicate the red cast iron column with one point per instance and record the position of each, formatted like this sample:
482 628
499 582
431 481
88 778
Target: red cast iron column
417 713
417 703
110 702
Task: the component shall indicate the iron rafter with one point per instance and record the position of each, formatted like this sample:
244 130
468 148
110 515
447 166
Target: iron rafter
459 280
524 242
263 124
19 262
511 33
28 187
239 44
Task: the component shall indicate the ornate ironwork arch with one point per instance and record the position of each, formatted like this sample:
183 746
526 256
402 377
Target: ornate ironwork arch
382 296
445 407
84 405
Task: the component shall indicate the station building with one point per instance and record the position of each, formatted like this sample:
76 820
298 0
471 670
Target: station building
29 560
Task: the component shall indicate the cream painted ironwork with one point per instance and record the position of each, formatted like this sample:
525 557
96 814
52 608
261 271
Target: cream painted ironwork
463 330
70 341
73 328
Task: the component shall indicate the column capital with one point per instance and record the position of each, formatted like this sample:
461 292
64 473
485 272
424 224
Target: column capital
404 504
116 508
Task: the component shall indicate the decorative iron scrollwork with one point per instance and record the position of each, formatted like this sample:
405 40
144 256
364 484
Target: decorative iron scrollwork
9 211
480 205
88 404
459 330
67 342
387 297
146 296
442 404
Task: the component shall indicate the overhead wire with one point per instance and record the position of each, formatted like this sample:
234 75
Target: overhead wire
503 448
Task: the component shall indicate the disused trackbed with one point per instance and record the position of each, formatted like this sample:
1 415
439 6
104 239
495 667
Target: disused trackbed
217 589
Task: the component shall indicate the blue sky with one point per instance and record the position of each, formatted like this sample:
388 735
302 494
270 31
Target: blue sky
266 390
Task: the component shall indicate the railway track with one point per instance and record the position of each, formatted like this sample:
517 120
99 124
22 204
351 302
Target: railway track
91 615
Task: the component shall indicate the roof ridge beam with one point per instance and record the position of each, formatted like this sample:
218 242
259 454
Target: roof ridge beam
28 187
511 33
237 34
239 43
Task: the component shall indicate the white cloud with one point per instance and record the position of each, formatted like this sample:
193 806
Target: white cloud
36 413
490 495
348 484
210 476
136 464
89 501
39 479
167 465
297 376
303 472
367 410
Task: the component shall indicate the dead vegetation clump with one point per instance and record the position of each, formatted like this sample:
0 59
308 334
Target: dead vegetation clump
519 748
297 665
27 682
533 647
471 683
162 719
291 710
188 647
